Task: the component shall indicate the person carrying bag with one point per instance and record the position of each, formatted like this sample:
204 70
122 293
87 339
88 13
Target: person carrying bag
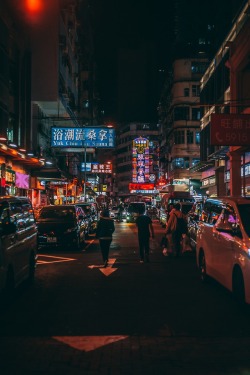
176 227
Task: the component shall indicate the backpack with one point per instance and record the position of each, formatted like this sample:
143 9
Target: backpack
181 225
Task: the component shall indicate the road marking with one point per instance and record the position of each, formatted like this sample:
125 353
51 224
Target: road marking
55 259
89 243
105 270
88 343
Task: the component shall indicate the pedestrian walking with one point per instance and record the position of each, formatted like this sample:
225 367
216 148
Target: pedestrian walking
145 227
104 231
120 211
176 227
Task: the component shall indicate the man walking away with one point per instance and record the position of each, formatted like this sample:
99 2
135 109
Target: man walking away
105 229
145 226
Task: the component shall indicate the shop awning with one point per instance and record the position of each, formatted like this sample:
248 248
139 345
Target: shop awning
48 174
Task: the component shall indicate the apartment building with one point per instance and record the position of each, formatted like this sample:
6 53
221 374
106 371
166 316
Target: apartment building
124 157
225 164
179 116
40 83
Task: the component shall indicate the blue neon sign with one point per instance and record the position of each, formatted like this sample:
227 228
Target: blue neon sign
83 137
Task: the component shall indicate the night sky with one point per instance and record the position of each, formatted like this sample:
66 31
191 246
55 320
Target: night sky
134 42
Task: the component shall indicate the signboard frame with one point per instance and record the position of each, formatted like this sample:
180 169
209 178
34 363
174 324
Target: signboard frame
85 137
230 129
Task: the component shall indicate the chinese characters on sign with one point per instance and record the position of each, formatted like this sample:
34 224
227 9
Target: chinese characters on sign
141 186
140 160
82 137
230 130
101 168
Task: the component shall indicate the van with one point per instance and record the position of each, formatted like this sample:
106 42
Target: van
223 244
18 242
133 211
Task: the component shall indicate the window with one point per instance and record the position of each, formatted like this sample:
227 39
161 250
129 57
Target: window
196 114
181 163
181 113
197 138
190 137
195 161
198 67
179 137
186 91
195 90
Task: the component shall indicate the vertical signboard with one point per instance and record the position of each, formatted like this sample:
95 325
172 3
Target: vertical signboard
140 160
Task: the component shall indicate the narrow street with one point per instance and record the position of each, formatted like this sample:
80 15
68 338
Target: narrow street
128 318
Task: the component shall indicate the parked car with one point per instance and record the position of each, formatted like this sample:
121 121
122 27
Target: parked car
61 226
223 244
90 213
113 212
133 211
18 242
193 223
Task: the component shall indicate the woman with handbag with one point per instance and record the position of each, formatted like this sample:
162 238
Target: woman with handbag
104 231
176 227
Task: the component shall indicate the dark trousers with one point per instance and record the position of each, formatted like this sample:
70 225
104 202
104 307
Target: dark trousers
143 246
105 246
177 243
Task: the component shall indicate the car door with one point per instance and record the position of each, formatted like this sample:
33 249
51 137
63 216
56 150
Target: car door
19 246
7 239
224 245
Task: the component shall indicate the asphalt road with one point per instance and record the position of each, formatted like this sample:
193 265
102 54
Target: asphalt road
128 318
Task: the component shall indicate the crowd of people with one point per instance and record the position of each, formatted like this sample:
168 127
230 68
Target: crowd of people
175 238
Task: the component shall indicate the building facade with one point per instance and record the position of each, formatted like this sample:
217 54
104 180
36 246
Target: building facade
180 114
124 175
225 91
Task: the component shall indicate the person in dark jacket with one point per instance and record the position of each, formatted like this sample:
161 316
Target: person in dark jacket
104 231
145 226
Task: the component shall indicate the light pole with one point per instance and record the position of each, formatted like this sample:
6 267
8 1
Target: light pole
84 163
84 184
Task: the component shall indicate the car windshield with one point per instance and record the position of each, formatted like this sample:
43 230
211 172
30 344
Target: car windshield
59 213
85 207
244 210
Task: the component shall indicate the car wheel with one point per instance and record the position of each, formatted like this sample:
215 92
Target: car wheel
202 267
238 286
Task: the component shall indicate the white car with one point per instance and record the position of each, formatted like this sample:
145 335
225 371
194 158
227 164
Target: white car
223 244
113 212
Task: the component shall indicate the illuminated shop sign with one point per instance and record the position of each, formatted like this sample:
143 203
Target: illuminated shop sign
140 160
87 165
101 168
83 137
22 180
141 186
230 129
144 191
10 176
